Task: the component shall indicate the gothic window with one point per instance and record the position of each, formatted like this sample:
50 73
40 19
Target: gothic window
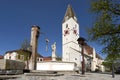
75 30
66 25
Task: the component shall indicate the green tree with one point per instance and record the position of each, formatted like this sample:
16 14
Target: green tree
106 28
110 59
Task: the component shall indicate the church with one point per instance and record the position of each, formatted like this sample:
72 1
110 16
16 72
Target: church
71 51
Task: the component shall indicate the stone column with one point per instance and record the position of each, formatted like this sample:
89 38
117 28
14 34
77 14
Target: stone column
35 30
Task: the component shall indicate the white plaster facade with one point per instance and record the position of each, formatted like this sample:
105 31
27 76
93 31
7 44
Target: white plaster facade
71 51
55 66
11 56
70 34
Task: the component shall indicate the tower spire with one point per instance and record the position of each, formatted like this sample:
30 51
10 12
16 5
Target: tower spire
69 13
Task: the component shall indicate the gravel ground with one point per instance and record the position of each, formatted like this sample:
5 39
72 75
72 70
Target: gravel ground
87 76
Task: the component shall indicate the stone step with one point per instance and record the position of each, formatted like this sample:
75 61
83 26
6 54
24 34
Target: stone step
41 74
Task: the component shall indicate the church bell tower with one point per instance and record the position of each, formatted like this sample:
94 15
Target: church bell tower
70 34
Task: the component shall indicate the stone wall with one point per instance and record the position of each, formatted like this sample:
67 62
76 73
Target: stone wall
11 64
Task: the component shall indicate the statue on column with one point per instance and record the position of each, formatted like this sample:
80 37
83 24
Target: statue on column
54 51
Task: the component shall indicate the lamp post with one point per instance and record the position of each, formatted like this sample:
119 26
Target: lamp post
81 42
113 75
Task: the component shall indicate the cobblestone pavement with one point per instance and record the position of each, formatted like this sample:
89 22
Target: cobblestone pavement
99 76
87 76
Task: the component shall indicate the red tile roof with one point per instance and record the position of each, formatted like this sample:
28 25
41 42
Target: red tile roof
88 49
47 59
1 57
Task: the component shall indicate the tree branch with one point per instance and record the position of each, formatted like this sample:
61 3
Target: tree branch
115 11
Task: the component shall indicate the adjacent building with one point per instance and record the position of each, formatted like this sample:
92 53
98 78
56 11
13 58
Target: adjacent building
21 55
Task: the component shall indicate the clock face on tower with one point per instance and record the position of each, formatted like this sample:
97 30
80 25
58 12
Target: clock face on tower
66 32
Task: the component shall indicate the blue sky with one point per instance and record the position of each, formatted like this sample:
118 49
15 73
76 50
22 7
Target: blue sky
17 17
